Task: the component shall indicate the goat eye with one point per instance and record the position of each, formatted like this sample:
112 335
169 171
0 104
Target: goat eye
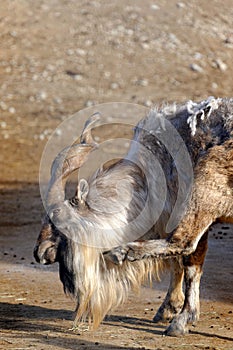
74 202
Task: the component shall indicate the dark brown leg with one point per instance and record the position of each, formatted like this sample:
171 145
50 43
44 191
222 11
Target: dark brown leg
193 270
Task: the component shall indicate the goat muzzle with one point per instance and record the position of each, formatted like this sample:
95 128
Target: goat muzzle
45 253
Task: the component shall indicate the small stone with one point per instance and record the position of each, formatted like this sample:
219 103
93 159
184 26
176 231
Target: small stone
31 98
221 65
145 46
148 103
143 82
214 85
70 52
3 124
50 67
173 38
88 42
35 77
46 132
58 100
3 106
154 7
12 110
78 77
42 95
180 5
89 103
196 68
144 38
81 52
13 33
8 69
45 74
45 8
114 86
129 32
107 74
121 28
97 138
58 132
198 56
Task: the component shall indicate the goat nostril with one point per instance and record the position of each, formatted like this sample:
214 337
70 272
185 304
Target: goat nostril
50 255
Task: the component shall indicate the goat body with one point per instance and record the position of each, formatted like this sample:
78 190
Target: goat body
161 203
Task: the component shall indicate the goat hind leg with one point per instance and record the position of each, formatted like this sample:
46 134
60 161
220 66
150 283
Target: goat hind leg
193 270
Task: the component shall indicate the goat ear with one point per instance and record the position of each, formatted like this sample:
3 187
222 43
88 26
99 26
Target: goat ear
82 191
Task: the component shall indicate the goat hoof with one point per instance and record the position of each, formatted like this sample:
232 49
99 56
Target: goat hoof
168 310
176 329
135 251
163 315
116 255
160 318
131 255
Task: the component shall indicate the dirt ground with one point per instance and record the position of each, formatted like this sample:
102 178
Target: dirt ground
58 57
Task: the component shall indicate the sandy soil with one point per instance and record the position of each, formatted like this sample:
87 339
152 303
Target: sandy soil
58 57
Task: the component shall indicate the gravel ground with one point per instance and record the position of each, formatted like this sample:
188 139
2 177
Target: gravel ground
58 57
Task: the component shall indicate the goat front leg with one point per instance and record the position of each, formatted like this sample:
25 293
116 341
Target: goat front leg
174 300
183 241
140 250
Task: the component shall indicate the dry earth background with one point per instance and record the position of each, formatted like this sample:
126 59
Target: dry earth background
56 58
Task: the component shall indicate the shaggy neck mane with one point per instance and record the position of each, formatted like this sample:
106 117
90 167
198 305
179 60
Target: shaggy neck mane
108 222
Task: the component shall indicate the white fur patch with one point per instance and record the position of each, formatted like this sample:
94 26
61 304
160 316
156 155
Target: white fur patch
202 109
